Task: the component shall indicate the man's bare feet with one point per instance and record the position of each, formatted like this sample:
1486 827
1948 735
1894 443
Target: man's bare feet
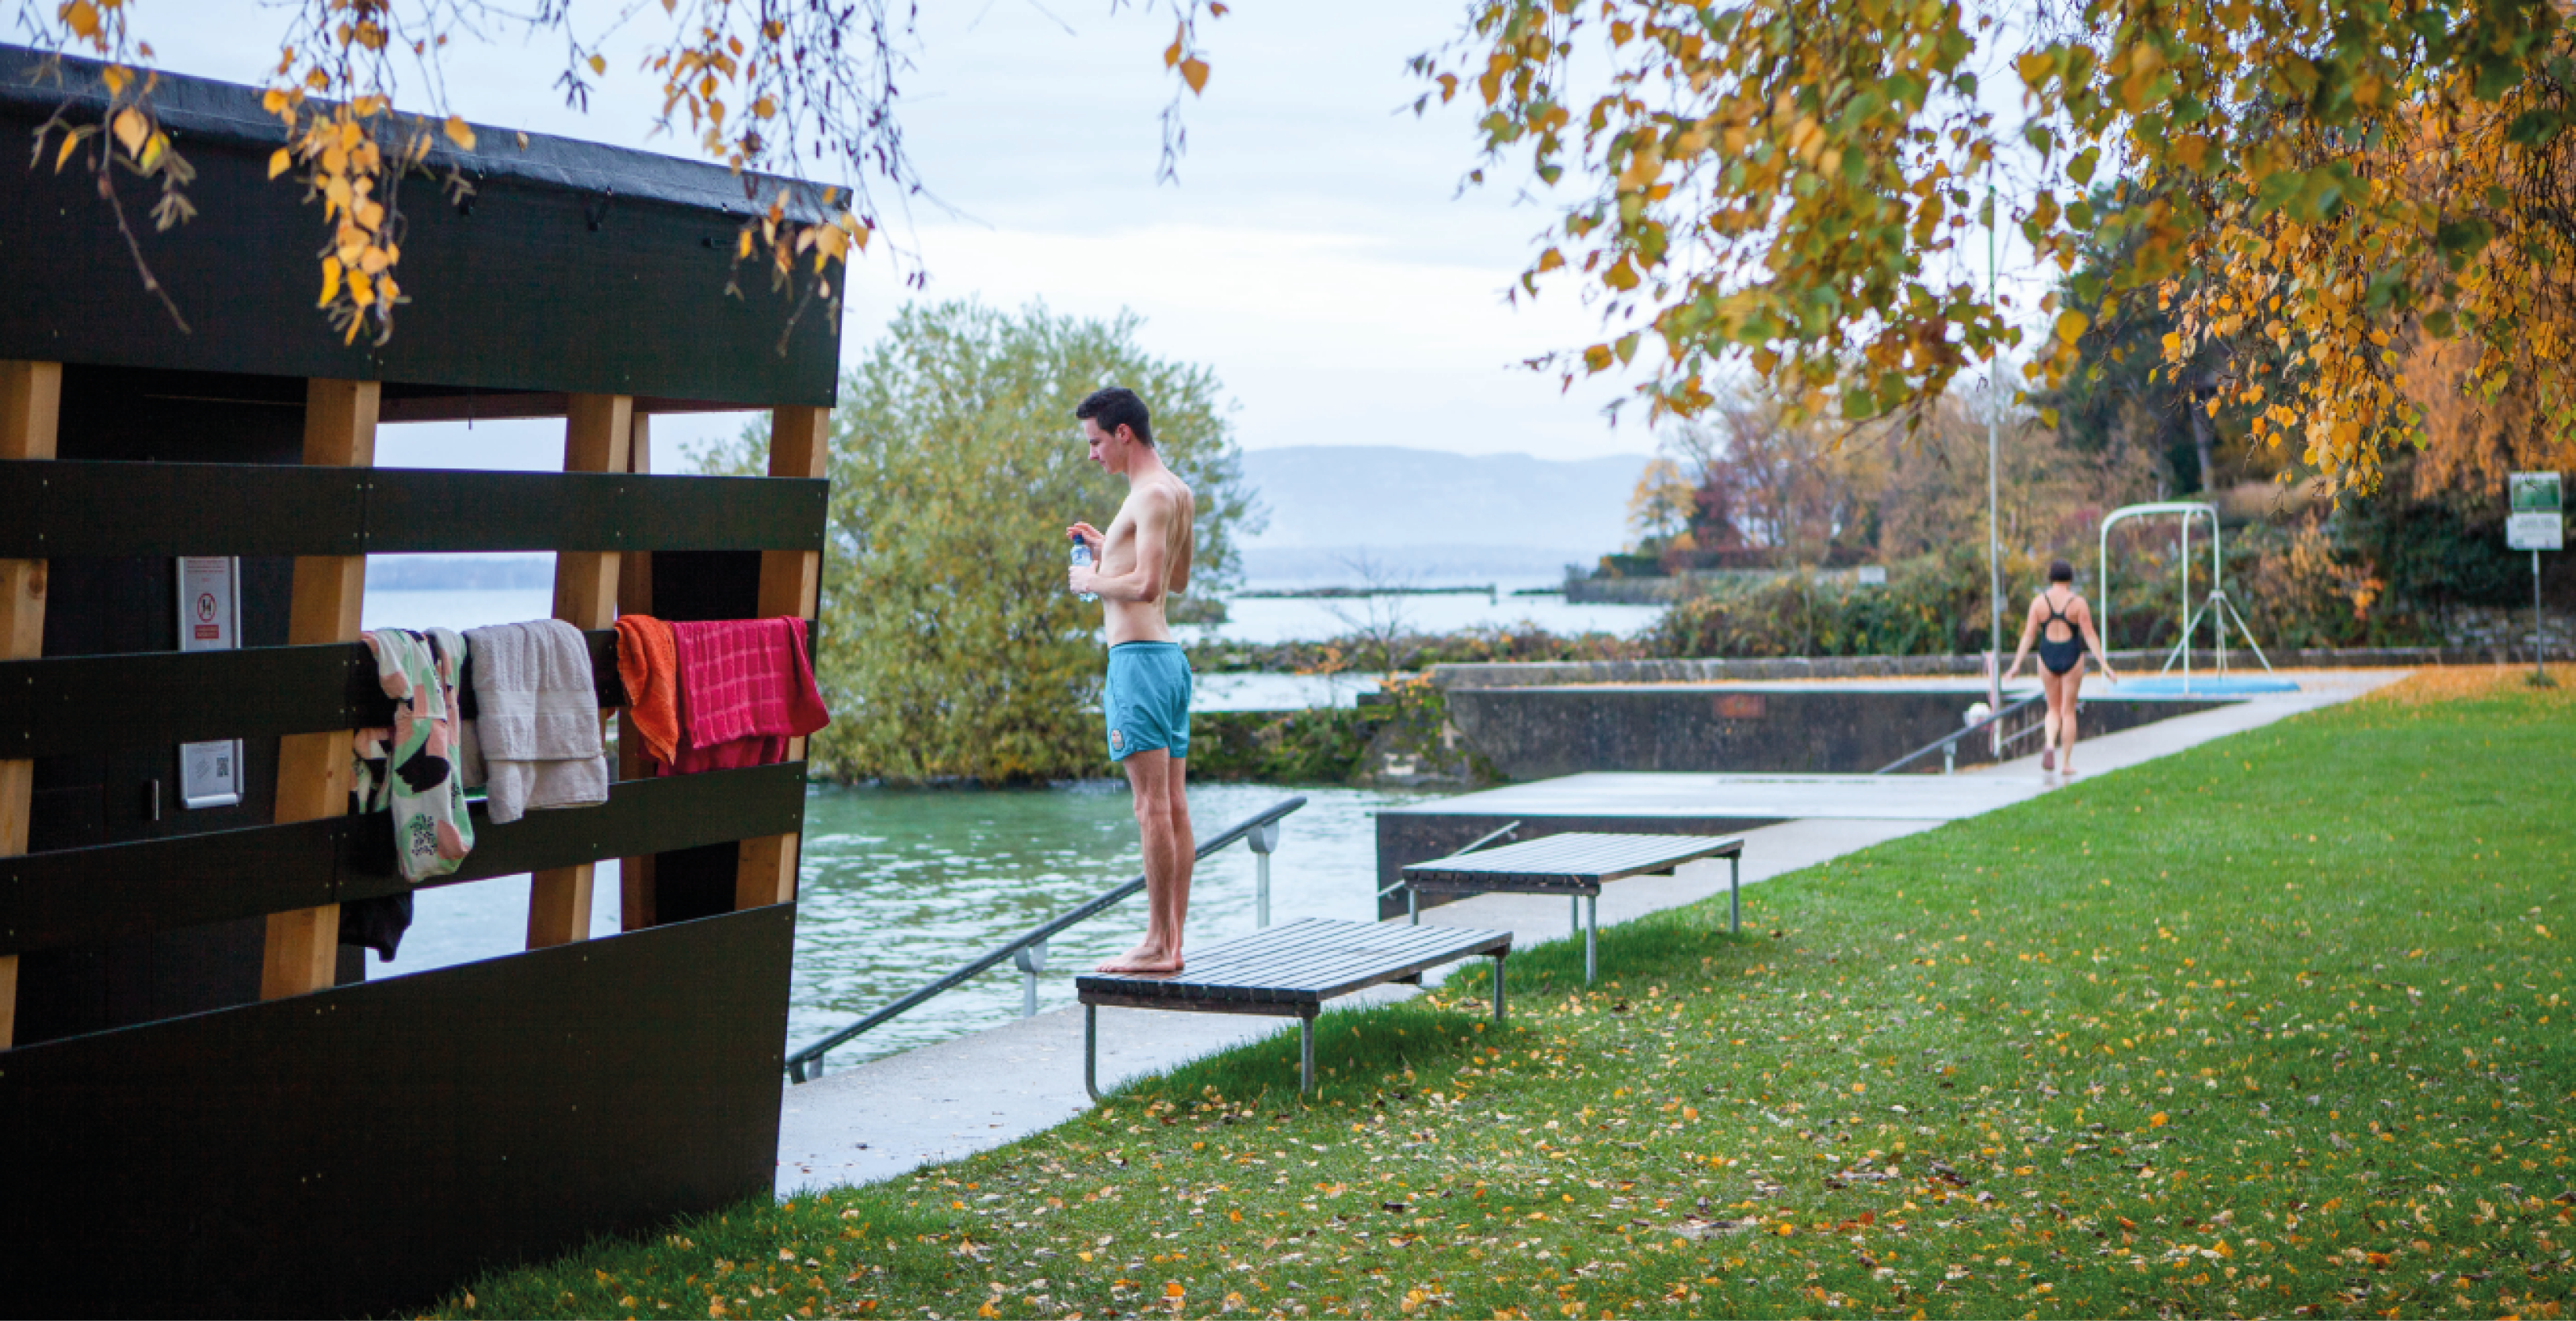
1147 958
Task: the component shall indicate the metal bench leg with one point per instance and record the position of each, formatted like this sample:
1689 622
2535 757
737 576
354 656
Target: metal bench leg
1412 906
1591 937
1735 895
1498 990
1305 1056
1090 1051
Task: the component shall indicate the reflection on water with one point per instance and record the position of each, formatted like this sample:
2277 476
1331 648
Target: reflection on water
902 885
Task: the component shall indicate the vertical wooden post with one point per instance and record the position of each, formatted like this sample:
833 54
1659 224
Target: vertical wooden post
313 769
598 437
790 584
635 889
31 397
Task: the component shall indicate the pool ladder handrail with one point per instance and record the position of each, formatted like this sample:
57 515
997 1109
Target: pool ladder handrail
1027 951
1948 744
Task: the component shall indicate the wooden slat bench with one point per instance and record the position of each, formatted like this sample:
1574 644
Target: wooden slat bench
1576 865
1288 970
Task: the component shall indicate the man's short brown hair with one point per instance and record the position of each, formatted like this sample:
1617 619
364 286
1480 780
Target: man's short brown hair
1115 406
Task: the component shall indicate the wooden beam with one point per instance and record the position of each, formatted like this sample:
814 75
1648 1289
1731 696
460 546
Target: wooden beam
31 400
791 581
635 889
799 446
313 769
599 436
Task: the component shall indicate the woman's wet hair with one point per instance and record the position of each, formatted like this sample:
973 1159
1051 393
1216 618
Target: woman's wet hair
2059 571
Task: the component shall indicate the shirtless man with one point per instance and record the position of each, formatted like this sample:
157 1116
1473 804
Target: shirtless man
1144 555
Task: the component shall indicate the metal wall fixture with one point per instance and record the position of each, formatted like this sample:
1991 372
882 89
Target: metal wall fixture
1027 951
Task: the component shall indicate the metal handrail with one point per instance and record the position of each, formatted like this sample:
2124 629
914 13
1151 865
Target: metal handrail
1037 935
1481 841
1951 740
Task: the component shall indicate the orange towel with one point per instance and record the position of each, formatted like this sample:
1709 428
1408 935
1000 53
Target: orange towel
648 663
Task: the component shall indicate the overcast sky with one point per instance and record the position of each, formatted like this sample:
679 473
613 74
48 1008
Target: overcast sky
1316 252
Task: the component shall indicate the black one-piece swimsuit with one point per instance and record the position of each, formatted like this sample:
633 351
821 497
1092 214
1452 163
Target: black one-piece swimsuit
2060 657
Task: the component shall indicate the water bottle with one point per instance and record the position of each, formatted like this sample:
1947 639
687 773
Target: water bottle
1082 559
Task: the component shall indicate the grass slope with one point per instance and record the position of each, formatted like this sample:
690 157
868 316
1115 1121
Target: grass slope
2275 1026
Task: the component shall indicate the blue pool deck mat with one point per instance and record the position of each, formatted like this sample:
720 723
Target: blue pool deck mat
2173 685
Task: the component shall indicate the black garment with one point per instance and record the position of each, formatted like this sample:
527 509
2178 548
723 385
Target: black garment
377 924
2060 657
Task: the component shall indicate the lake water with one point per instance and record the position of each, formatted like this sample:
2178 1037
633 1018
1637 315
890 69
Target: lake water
899 886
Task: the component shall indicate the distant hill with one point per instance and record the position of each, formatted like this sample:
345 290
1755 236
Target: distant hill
1429 515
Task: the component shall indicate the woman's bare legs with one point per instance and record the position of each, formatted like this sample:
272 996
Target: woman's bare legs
2068 687
2048 723
2053 684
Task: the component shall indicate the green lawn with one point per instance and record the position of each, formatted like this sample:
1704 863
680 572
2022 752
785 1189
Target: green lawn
2277 1026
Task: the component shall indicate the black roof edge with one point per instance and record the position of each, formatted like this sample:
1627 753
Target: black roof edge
231 114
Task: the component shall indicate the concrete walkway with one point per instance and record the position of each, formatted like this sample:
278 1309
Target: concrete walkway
893 1115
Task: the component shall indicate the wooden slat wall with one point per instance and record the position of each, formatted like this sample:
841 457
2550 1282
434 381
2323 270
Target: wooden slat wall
635 895
598 437
31 395
313 769
790 584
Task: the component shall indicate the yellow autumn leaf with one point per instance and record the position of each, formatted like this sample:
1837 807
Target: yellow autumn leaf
82 16
1195 73
131 128
280 161
330 281
598 65
2071 326
71 143
459 133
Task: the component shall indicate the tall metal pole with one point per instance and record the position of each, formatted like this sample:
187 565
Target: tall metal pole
2538 644
1994 501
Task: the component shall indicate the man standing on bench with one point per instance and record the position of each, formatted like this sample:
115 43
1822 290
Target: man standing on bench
1144 555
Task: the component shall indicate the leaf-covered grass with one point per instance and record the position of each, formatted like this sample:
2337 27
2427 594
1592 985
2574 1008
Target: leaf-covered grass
2276 1026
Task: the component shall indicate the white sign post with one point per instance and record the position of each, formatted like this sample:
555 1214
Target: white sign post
210 774
2535 520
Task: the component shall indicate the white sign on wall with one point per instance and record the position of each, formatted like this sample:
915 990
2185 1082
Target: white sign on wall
210 774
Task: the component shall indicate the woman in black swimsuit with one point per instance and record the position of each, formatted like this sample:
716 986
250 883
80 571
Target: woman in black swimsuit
2062 625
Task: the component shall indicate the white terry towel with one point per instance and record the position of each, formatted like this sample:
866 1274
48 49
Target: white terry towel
536 733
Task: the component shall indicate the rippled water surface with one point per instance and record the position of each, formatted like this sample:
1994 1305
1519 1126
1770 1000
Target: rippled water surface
902 885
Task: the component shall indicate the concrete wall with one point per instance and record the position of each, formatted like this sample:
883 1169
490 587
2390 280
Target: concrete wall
1539 733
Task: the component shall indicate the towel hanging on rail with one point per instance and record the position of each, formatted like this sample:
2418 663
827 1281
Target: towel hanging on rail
745 689
537 720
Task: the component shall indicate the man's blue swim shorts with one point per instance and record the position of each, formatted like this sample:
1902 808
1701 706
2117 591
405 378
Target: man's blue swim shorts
1147 699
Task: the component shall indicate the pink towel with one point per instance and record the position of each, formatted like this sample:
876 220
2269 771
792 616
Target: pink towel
745 689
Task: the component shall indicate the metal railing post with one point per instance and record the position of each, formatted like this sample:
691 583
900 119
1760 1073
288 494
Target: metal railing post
1263 841
1030 961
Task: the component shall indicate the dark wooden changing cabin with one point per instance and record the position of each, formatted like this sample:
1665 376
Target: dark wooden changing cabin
204 1108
